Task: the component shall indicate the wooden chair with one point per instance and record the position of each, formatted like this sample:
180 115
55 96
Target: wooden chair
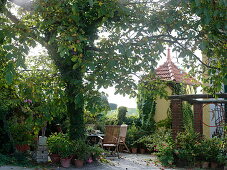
115 135
122 136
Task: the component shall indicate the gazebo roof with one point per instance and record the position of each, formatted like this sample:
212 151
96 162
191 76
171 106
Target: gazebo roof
170 72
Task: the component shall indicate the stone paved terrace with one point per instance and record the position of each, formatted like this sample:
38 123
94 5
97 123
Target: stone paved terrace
127 162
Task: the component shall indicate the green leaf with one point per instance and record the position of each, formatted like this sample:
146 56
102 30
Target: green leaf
9 77
91 3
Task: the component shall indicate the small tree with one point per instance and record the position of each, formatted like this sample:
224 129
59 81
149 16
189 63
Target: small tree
121 116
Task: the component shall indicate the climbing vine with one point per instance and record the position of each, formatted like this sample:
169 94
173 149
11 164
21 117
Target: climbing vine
148 90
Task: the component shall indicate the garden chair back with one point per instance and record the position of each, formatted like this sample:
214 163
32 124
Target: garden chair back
111 134
122 136
115 135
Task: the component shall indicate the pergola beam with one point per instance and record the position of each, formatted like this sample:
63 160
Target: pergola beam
207 101
191 97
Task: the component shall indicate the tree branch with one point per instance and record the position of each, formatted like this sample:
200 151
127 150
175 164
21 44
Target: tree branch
12 17
211 67
30 34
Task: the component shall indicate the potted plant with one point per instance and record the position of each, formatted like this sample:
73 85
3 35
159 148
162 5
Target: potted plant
96 151
54 142
81 150
22 135
65 152
143 141
132 136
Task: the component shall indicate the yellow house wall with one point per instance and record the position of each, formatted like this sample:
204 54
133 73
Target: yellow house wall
162 107
163 104
206 109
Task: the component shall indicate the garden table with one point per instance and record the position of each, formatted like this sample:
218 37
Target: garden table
94 138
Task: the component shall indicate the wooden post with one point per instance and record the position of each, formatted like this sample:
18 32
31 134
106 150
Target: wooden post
198 118
177 116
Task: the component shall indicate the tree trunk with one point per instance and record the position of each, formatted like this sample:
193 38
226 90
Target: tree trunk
75 109
73 79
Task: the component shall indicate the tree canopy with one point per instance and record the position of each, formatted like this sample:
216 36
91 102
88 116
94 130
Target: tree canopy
135 34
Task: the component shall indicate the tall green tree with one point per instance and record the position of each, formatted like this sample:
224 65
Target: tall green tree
134 35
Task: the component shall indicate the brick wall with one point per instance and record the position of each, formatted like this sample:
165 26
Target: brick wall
177 116
198 117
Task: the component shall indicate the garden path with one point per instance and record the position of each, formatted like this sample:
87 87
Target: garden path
127 162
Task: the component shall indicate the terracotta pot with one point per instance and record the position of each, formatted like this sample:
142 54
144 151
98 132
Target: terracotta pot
79 163
55 158
134 150
214 165
65 162
22 148
89 160
142 151
205 164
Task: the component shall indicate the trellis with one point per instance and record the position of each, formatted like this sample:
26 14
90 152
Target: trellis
197 100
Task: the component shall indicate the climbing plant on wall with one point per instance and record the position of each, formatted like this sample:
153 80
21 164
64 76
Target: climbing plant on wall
149 89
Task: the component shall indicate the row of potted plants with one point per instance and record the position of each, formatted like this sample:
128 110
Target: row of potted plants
65 151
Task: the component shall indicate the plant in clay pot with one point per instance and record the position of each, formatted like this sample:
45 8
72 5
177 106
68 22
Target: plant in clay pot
81 150
21 134
134 148
132 136
96 151
54 142
65 152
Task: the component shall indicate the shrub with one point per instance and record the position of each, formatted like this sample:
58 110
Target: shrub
21 132
121 116
55 142
96 151
163 144
81 149
133 134
144 141
212 150
188 146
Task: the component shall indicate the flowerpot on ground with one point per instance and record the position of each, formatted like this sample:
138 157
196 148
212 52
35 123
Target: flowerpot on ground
79 163
55 158
22 147
142 151
134 150
213 165
65 162
205 164
89 160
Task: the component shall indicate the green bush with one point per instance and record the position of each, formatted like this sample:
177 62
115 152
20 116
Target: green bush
163 145
133 134
144 141
96 151
188 146
121 116
212 150
56 141
21 132
81 149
